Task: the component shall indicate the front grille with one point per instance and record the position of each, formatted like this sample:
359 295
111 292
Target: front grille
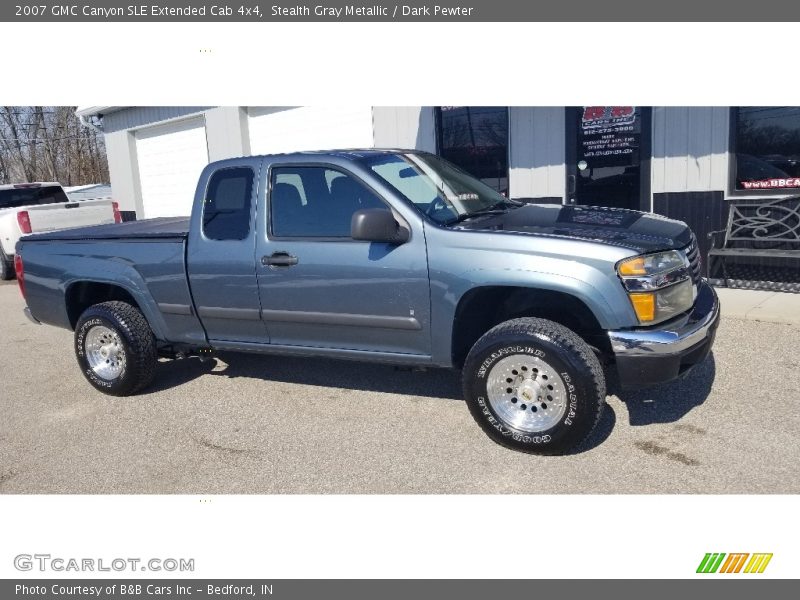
693 256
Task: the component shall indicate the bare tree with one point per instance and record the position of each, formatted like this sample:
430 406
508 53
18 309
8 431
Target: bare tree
48 143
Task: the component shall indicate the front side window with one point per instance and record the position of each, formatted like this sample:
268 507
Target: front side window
476 139
767 144
226 209
316 202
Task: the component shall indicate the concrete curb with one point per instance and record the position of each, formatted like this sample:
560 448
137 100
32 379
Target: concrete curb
756 305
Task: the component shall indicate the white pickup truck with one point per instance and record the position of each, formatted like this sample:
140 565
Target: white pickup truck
40 207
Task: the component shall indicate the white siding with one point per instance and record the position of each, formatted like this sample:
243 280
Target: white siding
411 127
537 152
226 130
122 169
690 148
134 117
170 158
290 129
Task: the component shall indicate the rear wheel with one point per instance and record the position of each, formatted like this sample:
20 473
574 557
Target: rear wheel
535 386
115 348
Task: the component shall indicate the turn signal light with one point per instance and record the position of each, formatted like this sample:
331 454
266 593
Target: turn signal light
651 264
645 306
117 214
24 220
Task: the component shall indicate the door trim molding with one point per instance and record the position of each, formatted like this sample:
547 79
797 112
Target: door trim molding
175 309
219 312
343 319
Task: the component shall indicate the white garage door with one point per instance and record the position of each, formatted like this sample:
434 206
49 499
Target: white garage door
276 130
171 158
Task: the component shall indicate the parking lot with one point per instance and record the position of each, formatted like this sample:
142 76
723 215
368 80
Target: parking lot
251 424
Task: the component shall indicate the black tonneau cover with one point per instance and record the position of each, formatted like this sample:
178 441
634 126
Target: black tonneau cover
161 228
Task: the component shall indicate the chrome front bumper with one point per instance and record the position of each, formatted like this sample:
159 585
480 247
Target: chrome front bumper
646 356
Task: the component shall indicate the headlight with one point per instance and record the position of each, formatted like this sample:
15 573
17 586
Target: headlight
651 264
659 285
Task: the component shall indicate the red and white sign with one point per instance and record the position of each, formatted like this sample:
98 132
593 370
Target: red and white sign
761 184
607 116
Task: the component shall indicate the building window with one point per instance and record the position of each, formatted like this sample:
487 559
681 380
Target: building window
767 146
226 209
476 139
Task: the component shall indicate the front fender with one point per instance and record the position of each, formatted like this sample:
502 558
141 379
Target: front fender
586 291
601 294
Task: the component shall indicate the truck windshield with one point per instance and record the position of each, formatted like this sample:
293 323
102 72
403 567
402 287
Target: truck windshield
16 197
436 187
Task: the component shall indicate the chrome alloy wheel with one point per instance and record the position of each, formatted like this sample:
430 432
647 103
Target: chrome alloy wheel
104 352
526 393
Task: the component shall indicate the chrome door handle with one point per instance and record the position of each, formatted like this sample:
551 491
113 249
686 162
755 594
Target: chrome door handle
279 259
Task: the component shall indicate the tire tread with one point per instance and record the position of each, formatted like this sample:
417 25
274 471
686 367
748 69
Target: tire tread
142 359
571 341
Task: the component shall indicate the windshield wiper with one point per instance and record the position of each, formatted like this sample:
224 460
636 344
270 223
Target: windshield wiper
490 210
478 213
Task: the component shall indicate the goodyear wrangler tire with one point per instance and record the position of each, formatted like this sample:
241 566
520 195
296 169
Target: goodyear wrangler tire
115 348
534 386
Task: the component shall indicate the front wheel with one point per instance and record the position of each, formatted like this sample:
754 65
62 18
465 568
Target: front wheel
115 348
534 386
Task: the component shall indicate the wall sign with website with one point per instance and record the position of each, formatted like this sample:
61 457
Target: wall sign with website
767 142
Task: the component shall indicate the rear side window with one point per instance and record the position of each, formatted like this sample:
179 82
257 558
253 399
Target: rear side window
226 208
32 195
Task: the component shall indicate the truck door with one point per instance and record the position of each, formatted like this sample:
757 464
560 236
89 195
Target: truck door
221 253
321 288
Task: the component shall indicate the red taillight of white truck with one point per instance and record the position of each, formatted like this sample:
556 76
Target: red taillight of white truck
24 220
117 214
18 269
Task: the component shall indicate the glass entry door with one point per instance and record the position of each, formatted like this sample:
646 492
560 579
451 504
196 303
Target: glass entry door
608 156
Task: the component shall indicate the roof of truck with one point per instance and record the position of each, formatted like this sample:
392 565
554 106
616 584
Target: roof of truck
349 152
346 154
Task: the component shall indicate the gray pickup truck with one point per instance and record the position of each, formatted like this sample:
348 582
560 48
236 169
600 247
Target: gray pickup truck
393 256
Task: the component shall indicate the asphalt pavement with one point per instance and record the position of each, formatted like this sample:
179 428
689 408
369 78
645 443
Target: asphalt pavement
254 424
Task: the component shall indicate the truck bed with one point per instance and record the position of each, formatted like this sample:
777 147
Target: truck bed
161 228
144 258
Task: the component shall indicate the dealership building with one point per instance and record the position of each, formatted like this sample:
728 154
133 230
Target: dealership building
688 163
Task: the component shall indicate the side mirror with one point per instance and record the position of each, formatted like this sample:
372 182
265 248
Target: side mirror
377 225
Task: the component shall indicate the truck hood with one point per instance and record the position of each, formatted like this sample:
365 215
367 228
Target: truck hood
634 230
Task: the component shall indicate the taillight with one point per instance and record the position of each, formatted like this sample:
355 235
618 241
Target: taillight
20 273
117 215
24 220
